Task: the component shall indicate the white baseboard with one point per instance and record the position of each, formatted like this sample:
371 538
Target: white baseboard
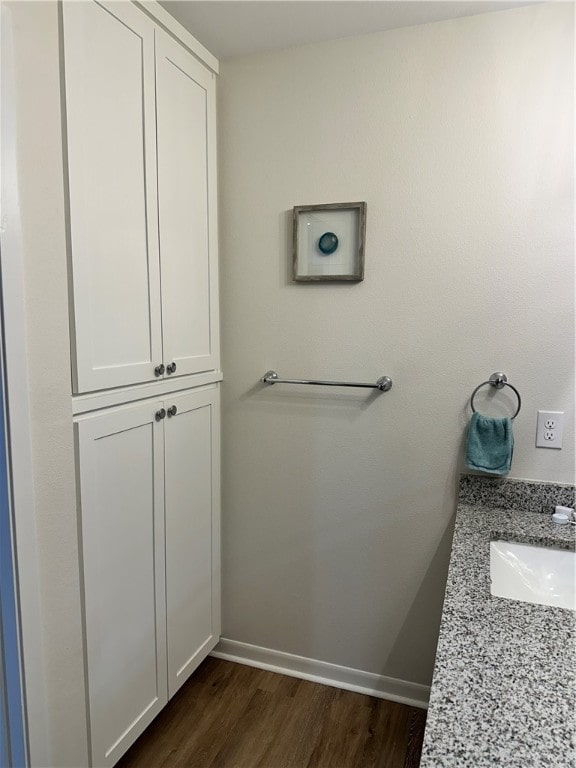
356 680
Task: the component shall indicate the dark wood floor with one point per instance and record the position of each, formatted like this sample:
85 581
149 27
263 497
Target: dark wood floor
232 716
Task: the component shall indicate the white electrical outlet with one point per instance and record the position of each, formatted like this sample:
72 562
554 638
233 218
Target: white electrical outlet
549 427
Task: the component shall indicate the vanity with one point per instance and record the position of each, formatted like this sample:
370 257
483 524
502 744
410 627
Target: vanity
504 686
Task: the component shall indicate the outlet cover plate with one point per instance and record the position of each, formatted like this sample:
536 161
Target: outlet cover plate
549 427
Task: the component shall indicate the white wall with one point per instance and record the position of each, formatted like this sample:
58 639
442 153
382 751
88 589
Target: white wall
41 192
338 506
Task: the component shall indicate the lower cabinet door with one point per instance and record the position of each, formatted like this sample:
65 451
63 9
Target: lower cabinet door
192 483
121 474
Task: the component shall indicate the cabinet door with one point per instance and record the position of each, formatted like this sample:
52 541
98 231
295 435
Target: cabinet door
121 473
192 532
186 134
109 86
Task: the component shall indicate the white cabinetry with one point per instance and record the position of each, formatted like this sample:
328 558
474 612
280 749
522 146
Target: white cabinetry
140 157
121 474
192 526
187 207
149 487
140 120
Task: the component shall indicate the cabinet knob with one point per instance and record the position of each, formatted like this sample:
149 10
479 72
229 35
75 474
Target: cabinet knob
159 370
161 414
172 411
171 368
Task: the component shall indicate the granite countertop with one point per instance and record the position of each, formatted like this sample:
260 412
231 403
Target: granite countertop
504 687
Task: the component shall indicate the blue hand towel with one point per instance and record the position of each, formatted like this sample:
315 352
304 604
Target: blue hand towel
490 445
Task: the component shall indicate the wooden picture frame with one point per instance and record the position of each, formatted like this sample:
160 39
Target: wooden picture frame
328 242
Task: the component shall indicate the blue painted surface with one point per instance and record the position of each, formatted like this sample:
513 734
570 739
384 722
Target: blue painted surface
12 739
4 745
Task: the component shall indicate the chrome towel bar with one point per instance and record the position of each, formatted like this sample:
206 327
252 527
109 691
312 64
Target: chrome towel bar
384 383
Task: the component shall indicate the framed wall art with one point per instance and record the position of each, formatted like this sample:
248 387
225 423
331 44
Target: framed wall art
328 242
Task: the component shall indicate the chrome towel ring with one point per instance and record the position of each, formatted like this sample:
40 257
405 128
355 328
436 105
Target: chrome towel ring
498 380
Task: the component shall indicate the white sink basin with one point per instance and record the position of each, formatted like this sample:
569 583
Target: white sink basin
533 574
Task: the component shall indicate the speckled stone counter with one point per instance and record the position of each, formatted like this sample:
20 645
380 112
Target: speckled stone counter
504 687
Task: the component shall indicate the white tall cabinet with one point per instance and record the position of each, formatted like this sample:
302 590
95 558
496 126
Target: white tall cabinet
139 104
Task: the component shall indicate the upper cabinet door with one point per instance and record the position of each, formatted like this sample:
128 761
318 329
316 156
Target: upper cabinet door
109 76
186 134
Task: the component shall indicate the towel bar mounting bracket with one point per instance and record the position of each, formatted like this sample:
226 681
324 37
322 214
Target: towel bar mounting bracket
498 380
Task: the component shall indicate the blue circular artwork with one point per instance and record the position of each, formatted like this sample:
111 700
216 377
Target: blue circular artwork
327 243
